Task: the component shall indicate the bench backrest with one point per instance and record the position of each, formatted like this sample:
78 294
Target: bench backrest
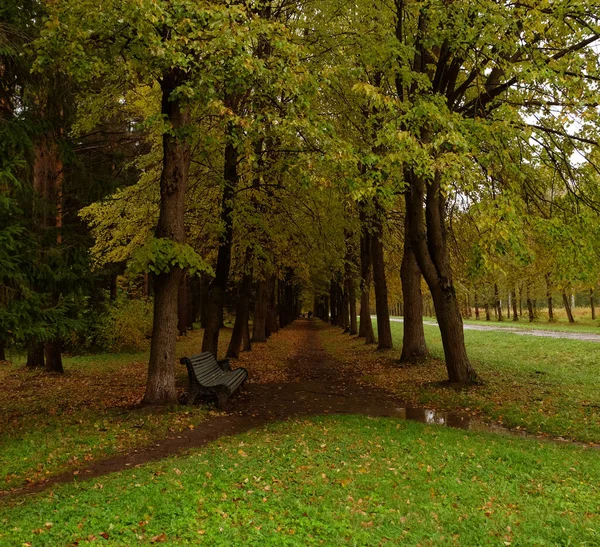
205 367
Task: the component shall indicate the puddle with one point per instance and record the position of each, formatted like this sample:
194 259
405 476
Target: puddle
460 421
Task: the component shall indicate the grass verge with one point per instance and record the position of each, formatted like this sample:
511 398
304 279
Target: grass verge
543 385
344 480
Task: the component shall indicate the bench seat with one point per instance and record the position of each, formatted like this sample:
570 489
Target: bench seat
207 376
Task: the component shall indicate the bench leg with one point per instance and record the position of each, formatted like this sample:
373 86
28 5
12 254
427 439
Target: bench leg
222 400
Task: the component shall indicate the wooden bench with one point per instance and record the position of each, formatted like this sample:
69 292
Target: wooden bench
208 376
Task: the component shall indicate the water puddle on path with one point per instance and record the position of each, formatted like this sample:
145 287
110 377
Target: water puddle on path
460 421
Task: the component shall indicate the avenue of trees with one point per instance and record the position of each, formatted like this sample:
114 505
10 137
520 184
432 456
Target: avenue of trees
255 158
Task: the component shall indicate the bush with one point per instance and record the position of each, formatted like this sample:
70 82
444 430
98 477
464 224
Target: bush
125 326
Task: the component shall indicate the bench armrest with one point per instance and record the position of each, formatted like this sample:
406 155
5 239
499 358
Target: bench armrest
224 364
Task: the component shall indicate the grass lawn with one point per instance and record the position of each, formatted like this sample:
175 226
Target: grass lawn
52 423
543 385
344 480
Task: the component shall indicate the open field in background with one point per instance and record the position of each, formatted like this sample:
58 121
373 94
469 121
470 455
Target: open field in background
583 320
52 423
343 480
542 385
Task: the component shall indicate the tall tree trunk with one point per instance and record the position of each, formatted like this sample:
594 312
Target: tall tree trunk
549 297
160 386
204 285
260 312
272 316
35 355
384 331
487 312
353 319
530 306
182 306
428 242
2 351
246 338
498 303
346 305
366 326
333 288
476 307
568 309
592 306
53 356
514 305
414 348
241 316
216 296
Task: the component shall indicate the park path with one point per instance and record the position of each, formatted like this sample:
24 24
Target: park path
319 385
583 336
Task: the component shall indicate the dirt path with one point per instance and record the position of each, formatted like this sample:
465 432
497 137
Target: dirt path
583 336
318 385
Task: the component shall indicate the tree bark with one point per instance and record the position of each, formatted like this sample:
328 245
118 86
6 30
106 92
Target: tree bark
2 351
182 306
246 338
241 316
353 318
568 309
428 242
384 331
366 326
53 356
260 313
487 312
160 386
35 355
514 305
549 297
530 307
414 348
498 304
216 297
476 307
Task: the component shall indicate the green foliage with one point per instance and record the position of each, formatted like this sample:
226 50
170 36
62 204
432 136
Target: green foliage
126 325
160 255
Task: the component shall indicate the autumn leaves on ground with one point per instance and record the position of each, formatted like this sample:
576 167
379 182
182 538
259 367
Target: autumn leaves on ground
303 482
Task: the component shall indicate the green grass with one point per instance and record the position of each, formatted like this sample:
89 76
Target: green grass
543 385
53 423
330 481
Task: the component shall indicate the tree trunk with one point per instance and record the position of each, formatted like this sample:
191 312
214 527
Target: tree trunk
241 316
260 313
366 326
487 312
216 297
53 356
182 308
346 305
476 307
384 331
549 297
592 306
498 303
353 319
246 339
428 242
160 386
35 355
333 300
530 307
568 309
514 305
414 348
